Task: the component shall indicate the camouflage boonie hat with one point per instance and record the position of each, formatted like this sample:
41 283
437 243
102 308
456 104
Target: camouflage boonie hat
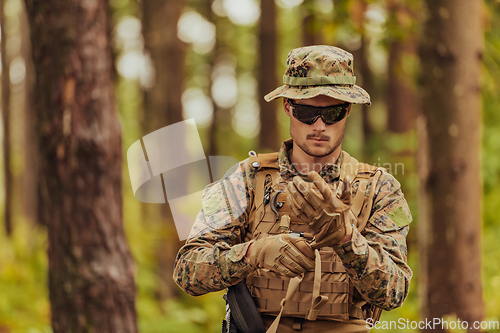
320 70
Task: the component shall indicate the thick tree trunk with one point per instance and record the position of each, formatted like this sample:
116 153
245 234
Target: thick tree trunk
268 136
451 67
7 173
91 272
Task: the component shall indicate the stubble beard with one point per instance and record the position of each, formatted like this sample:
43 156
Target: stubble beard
336 144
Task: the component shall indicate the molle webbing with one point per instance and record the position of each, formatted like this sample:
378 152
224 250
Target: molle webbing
270 290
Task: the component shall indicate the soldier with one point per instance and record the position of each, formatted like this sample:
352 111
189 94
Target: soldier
318 237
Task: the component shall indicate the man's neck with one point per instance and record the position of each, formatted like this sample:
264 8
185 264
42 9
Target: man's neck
304 163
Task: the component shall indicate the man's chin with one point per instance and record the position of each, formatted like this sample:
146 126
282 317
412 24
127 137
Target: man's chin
319 151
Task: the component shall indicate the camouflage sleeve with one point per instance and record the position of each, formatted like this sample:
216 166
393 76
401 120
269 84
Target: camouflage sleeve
376 258
213 257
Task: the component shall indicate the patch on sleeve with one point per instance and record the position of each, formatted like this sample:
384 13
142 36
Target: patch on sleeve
399 217
212 202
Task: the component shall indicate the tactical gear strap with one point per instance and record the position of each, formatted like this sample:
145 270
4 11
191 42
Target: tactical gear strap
294 284
265 161
349 166
268 160
376 314
356 312
359 198
259 196
338 311
297 324
332 267
365 213
305 286
317 300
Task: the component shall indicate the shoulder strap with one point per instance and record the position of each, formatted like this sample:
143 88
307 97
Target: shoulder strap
349 166
268 164
362 172
269 160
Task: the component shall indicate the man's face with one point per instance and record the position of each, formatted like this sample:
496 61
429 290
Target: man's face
318 139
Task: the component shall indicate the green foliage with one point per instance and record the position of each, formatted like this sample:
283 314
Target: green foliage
24 304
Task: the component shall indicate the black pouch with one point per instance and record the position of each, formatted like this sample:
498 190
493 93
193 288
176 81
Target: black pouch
243 309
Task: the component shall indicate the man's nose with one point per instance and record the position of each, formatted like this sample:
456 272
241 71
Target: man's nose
319 125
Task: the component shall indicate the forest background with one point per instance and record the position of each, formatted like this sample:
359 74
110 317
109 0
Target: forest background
213 61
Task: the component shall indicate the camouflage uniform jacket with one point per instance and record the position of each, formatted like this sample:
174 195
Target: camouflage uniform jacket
375 259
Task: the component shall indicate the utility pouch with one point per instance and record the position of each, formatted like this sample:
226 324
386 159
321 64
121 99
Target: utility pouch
243 311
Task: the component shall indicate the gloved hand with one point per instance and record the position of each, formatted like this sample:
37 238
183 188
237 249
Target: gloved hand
284 254
327 212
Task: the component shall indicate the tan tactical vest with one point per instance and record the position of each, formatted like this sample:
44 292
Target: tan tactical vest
269 205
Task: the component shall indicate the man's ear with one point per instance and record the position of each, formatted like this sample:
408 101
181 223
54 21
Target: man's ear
286 107
349 110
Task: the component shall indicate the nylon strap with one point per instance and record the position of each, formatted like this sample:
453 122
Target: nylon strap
356 312
376 314
317 300
266 161
269 160
305 286
293 308
349 166
359 198
365 213
259 196
318 80
294 284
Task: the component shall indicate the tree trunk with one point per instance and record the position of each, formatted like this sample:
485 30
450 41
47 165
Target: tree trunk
91 272
162 101
451 63
367 84
268 135
8 179
357 12
163 107
206 11
30 180
401 90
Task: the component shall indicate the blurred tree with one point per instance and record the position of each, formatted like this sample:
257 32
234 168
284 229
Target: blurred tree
8 178
357 10
91 271
162 100
163 107
311 35
401 90
207 12
269 135
450 231
30 164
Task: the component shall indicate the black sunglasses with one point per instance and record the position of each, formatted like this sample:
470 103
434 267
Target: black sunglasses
309 114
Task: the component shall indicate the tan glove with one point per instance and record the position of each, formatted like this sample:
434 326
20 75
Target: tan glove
327 212
284 254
